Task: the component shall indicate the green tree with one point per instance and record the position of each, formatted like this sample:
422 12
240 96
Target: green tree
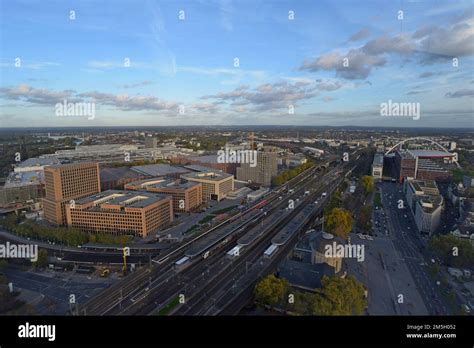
270 290
42 261
364 218
368 183
338 296
452 250
338 222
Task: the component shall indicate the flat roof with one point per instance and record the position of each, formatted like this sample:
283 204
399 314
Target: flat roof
159 169
431 153
36 161
211 175
162 183
133 199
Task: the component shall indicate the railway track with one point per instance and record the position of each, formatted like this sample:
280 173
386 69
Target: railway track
127 287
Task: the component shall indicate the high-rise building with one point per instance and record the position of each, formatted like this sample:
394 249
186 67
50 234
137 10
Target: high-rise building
121 213
377 165
426 204
263 172
66 183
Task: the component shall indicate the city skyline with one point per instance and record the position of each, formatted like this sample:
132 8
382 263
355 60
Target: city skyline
149 64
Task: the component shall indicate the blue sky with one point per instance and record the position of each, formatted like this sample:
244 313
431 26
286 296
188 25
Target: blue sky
283 63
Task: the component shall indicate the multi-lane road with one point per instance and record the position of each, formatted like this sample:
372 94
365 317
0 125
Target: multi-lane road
410 247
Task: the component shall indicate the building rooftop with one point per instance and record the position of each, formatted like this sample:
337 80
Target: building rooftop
210 175
37 162
133 199
162 183
430 153
155 170
112 174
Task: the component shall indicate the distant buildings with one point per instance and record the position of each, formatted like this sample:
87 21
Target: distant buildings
294 160
215 185
187 196
422 164
121 213
263 172
313 151
66 183
377 165
151 142
426 204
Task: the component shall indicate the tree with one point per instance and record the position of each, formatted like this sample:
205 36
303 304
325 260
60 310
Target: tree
338 222
364 218
42 261
339 296
270 290
368 183
452 250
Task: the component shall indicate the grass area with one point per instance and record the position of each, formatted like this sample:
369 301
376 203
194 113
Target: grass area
378 200
207 219
224 210
192 229
169 307
215 213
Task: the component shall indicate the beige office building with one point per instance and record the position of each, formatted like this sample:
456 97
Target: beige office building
187 196
263 172
215 184
118 212
66 183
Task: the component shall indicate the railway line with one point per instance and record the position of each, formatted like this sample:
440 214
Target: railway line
148 278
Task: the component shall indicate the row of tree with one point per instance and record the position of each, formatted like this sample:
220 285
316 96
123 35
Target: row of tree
61 235
290 174
337 296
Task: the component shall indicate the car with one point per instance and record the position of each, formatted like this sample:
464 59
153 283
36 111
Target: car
369 237
360 235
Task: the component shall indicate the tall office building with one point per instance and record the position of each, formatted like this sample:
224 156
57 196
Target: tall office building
263 172
66 183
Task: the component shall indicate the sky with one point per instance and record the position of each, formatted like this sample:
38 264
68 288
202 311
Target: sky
247 62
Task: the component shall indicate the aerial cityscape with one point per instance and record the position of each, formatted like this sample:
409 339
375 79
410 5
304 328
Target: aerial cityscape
236 158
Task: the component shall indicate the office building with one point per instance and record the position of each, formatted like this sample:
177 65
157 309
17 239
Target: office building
422 164
66 183
426 204
121 213
186 196
266 168
215 185
377 165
